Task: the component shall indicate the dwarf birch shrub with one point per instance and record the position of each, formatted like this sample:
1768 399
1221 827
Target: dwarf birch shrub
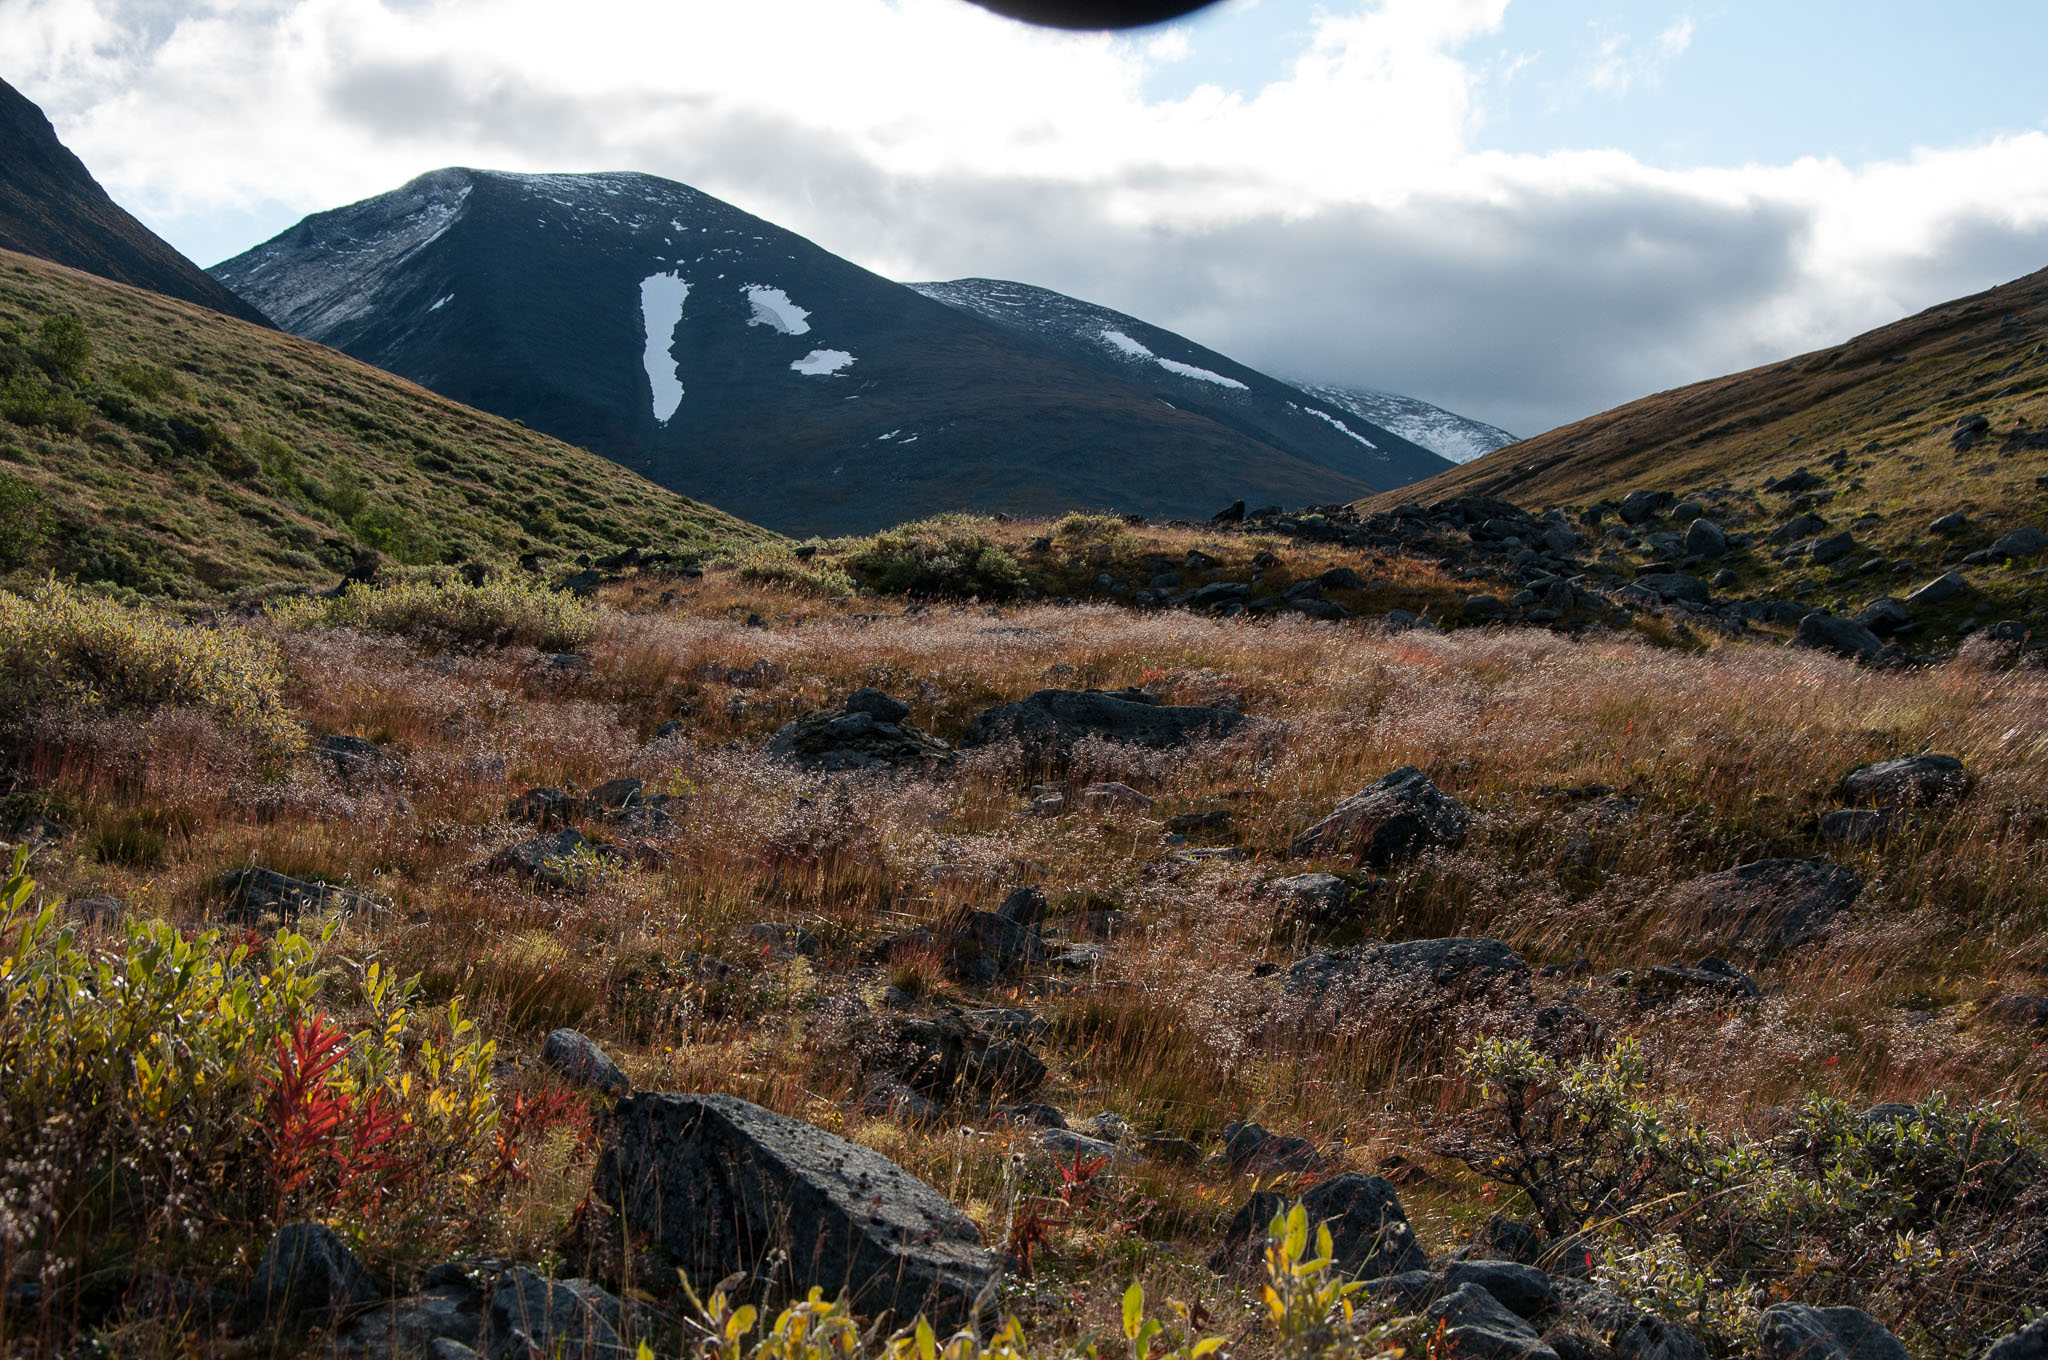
505 612
65 652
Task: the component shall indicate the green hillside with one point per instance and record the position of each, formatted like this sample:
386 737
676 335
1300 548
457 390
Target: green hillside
156 446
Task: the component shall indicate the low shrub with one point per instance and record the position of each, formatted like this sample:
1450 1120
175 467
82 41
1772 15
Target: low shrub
776 563
507 611
171 1089
65 651
24 521
950 556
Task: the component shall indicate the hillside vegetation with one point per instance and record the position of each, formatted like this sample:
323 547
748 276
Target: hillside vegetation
155 446
1943 413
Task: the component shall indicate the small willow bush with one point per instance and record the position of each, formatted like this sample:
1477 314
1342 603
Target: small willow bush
949 556
63 651
778 563
499 613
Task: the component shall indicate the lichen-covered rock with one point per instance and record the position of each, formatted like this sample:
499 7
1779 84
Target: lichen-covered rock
1393 819
1907 781
723 1186
581 1061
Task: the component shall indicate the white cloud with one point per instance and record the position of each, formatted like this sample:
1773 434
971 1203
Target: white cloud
1334 224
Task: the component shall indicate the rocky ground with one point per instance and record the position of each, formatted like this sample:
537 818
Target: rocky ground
1608 998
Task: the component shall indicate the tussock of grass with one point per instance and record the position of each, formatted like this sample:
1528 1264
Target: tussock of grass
505 612
66 652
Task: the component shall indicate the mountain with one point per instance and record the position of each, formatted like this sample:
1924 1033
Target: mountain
1188 377
725 357
1836 464
180 453
51 207
1458 438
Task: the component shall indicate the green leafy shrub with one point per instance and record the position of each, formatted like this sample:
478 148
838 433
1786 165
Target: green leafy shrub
776 563
62 649
24 521
63 349
507 611
950 556
167 1086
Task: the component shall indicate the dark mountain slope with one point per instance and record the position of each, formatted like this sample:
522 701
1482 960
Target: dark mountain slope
723 356
51 207
1188 377
188 455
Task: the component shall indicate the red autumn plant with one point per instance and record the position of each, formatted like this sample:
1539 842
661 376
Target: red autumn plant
329 1142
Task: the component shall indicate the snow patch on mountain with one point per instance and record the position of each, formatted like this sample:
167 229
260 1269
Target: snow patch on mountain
773 308
1133 349
661 310
1455 437
1341 426
822 362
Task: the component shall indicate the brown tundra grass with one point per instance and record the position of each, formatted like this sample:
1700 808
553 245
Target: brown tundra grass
1728 754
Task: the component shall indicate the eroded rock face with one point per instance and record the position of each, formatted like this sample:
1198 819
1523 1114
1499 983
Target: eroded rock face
1392 819
722 1185
1049 722
1369 1230
1761 909
870 731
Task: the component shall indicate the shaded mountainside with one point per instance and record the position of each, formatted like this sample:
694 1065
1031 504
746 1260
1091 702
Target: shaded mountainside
1458 438
1188 377
725 357
52 207
182 453
1842 478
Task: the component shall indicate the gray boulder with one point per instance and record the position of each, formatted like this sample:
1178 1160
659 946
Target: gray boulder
1856 826
1523 1290
870 731
1390 820
1833 549
556 1319
1844 637
1314 900
1885 616
446 1320
1907 781
2021 542
1403 975
256 895
2020 1010
1762 909
1477 1326
1705 539
1049 722
307 1271
1954 522
1631 1333
560 859
1938 591
1675 585
1369 1231
581 1061
1249 1149
723 1186
356 761
1794 1331
1638 507
2028 1343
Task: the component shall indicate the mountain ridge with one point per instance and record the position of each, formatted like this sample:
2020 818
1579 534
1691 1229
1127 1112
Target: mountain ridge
741 364
51 207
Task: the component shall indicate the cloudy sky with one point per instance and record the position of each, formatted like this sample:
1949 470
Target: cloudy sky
1526 210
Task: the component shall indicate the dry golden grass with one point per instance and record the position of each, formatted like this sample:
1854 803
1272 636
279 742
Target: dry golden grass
1719 756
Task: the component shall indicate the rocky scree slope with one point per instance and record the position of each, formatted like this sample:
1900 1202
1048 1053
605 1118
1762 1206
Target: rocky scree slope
727 358
190 455
52 207
1189 377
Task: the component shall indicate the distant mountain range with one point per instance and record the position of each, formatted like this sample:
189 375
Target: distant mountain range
51 207
729 359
